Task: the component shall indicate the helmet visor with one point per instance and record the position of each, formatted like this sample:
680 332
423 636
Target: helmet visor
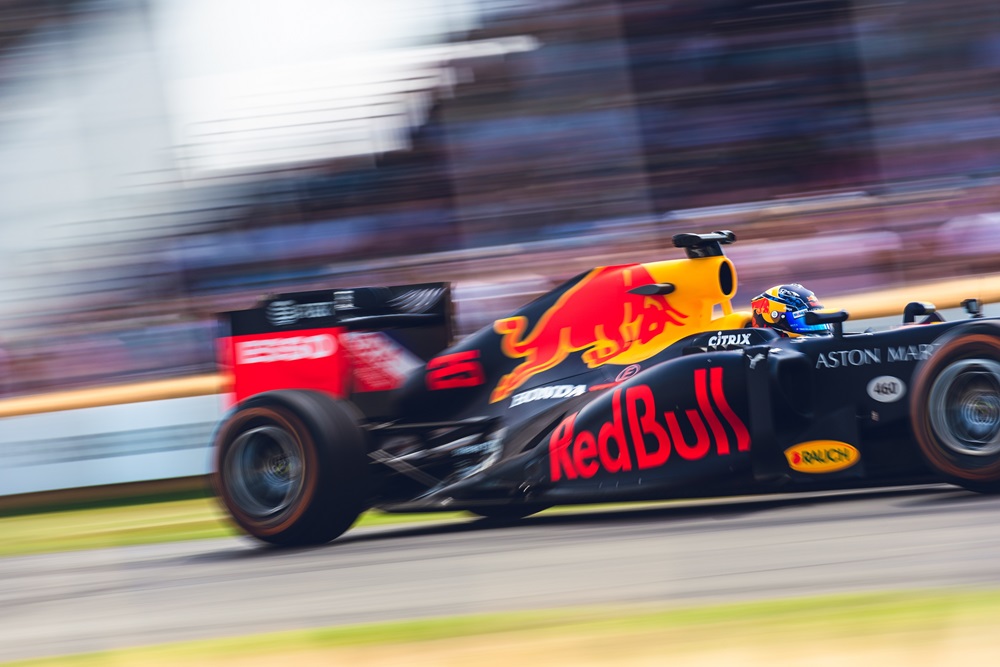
797 323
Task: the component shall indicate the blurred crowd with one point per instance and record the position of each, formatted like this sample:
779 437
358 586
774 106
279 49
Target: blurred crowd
846 142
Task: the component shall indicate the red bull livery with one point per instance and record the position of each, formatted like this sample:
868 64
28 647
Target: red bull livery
628 382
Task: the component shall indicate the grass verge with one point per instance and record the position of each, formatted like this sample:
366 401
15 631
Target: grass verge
116 524
150 519
913 628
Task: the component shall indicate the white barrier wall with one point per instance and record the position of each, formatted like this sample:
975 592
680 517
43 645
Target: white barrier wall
112 444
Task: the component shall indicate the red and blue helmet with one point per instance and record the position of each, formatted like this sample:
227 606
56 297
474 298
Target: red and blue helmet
784 309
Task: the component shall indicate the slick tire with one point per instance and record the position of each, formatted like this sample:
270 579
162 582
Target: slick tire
291 467
955 407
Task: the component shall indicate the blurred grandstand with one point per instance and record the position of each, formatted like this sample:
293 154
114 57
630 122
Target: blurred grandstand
499 144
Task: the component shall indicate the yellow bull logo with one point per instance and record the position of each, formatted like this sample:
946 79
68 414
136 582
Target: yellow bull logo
598 316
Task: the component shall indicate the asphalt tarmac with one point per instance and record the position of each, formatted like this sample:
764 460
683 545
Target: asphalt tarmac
666 555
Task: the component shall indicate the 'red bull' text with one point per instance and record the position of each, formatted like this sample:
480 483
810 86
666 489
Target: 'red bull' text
639 437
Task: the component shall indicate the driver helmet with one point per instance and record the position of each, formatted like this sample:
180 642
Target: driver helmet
783 308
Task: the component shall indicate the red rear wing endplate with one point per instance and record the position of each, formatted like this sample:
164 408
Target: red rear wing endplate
353 343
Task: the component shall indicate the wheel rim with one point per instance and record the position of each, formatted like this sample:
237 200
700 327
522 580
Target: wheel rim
964 407
265 471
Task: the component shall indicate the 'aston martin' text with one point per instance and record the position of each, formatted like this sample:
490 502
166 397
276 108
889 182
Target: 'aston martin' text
867 357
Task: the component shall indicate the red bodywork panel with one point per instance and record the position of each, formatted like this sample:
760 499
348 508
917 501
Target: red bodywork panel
312 359
359 344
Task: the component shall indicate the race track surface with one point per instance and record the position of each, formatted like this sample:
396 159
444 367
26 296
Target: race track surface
668 555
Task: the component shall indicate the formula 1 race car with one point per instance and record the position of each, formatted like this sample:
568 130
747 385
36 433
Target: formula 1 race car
630 382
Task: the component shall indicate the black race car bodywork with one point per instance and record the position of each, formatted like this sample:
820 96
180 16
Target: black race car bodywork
627 382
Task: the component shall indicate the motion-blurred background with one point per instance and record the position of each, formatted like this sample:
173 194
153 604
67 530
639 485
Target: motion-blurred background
163 160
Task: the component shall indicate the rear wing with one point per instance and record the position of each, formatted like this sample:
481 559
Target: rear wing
351 343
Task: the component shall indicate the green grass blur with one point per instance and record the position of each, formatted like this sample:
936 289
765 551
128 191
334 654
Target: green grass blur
912 627
124 523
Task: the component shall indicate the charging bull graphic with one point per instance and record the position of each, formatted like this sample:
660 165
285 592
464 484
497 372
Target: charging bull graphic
598 316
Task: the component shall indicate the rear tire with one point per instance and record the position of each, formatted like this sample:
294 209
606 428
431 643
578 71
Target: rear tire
955 407
291 467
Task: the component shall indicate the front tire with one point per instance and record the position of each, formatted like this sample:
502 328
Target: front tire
955 407
291 467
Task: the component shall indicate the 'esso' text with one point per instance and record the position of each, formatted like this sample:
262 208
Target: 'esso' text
294 348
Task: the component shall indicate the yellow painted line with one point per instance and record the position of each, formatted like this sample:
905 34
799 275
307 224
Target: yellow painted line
156 390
